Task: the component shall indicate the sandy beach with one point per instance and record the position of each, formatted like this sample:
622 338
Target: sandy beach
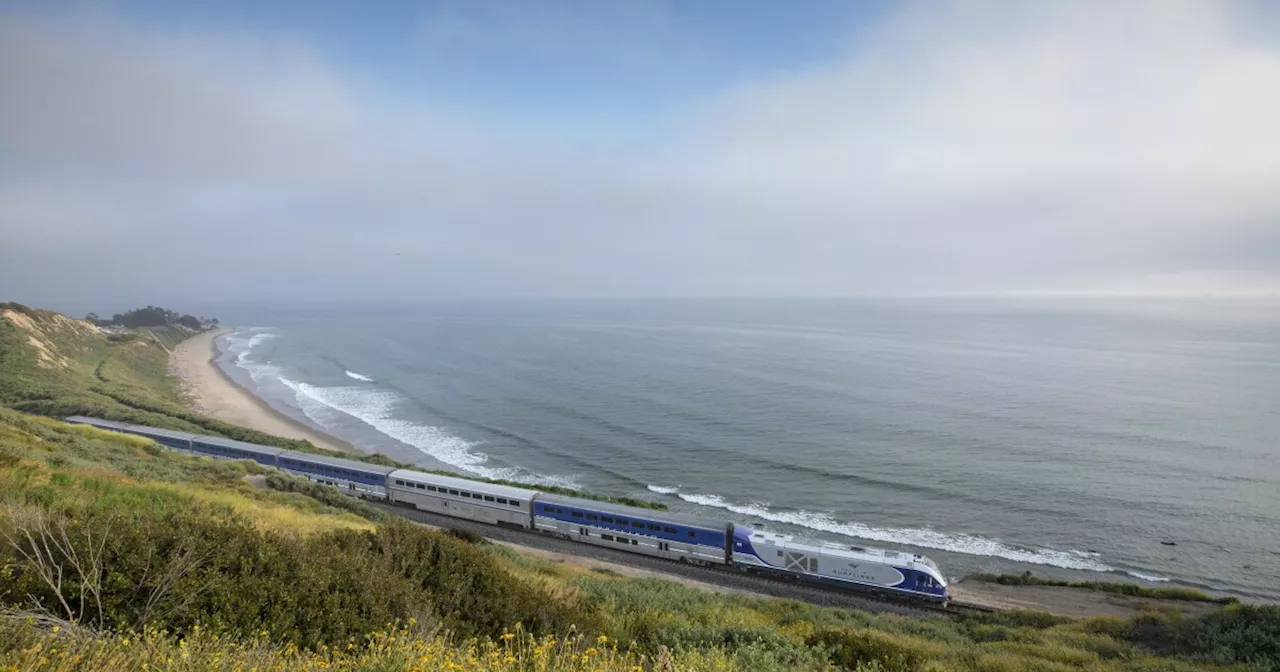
214 394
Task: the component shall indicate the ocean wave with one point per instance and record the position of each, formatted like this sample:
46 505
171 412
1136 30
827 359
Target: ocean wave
358 376
1147 577
376 409
663 490
919 537
242 356
242 347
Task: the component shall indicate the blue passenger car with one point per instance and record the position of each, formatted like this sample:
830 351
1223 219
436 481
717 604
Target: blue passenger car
658 533
236 450
362 478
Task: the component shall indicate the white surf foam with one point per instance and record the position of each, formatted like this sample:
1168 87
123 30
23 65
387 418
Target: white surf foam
242 345
663 490
1147 577
358 376
920 537
242 356
376 409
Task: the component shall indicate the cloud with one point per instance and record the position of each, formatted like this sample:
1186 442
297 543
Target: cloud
957 147
1057 139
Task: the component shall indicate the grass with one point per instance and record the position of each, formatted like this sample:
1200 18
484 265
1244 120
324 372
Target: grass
68 467
402 649
1130 589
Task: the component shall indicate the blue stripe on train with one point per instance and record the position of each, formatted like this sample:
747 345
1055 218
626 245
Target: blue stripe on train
667 530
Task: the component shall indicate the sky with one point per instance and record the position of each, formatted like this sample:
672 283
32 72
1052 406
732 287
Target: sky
179 153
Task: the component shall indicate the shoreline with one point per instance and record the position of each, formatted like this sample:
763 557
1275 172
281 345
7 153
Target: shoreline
214 393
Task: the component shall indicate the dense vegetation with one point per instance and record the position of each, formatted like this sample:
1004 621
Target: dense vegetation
116 554
57 367
1134 590
153 316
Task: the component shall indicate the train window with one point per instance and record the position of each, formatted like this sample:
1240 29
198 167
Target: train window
634 542
515 503
637 524
654 528
669 530
488 498
466 494
624 522
431 488
622 541
692 533
779 554
592 516
607 537
606 519
502 500
576 514
399 482
421 486
453 492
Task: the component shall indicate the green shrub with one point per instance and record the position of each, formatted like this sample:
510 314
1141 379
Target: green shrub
855 649
466 535
1248 634
182 567
1020 618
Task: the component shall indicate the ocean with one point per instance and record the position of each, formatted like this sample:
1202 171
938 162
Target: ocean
1106 439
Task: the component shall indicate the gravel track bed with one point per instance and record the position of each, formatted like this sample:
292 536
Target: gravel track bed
719 576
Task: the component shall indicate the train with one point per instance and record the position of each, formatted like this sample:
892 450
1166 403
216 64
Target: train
661 534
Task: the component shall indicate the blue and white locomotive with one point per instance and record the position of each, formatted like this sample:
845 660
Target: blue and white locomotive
661 534
836 564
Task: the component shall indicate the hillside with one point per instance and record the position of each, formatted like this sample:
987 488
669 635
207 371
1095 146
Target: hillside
116 554
56 366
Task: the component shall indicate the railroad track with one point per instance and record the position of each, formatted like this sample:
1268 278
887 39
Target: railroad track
724 577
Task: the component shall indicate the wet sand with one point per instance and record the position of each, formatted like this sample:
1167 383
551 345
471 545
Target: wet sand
213 393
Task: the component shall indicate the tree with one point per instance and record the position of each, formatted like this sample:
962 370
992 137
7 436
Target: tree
151 316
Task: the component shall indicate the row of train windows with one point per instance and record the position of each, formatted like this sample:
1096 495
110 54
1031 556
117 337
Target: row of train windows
638 524
229 451
459 493
328 470
620 540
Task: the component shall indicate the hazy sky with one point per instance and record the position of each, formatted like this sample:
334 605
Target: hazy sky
173 153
